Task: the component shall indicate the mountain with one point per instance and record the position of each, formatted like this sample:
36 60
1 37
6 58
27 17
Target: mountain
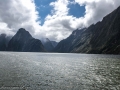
54 43
66 45
48 44
22 41
2 42
4 39
101 38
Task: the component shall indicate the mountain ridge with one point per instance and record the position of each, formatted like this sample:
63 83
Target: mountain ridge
100 38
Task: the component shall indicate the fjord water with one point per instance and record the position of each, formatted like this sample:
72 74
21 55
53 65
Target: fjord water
53 71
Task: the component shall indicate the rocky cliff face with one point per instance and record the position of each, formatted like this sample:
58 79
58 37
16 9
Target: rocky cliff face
23 41
103 37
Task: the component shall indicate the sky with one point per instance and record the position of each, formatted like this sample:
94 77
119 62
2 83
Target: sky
53 19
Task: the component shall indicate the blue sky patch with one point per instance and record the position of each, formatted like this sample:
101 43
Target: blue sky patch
43 8
76 10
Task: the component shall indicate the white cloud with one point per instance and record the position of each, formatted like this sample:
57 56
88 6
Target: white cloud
60 24
97 9
15 14
60 7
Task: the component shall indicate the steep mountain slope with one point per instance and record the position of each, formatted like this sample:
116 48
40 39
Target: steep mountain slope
48 44
4 42
67 44
103 37
54 43
23 41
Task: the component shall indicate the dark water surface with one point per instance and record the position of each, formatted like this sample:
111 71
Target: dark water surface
50 71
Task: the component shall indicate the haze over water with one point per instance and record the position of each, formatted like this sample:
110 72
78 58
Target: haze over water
56 71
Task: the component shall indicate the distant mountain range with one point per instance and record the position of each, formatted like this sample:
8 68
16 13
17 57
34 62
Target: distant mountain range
22 41
100 38
49 45
4 42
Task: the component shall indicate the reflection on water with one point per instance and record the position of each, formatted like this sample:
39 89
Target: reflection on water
41 71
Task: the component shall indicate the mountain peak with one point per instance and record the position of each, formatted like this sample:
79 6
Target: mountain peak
22 30
45 40
23 33
23 41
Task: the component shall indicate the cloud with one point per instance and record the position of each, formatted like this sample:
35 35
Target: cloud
58 25
15 14
97 9
62 24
